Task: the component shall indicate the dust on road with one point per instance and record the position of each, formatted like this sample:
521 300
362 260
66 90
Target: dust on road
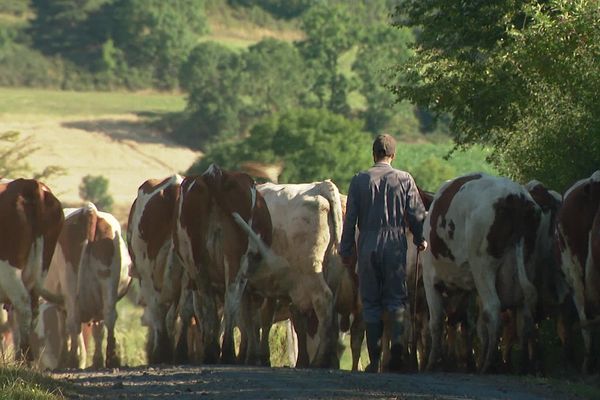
242 382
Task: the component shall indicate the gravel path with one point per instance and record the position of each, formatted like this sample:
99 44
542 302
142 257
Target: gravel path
236 382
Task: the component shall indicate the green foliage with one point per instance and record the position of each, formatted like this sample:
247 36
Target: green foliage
280 8
229 91
381 48
95 189
157 34
557 58
14 7
21 102
68 27
274 78
330 32
19 383
114 39
313 145
13 154
515 75
212 75
433 163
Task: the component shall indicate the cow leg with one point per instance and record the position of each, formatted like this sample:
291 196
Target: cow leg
110 318
266 322
98 334
299 322
82 349
229 318
436 316
526 330
322 302
13 289
205 308
186 313
489 326
250 317
579 301
385 342
357 334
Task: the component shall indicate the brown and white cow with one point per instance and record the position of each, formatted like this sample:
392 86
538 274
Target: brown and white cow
31 218
578 234
90 270
149 239
482 230
218 257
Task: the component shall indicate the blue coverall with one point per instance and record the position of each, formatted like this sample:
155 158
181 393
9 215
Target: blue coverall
382 200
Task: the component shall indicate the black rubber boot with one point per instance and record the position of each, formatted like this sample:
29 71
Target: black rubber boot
397 350
374 332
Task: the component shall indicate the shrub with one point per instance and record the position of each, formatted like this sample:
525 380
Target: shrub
95 189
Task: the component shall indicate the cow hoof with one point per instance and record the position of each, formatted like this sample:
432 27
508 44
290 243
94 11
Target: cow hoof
113 362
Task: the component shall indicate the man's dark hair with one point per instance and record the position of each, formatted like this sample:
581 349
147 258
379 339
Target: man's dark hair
384 146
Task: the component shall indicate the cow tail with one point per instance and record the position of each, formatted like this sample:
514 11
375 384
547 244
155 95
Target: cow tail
253 236
92 221
91 214
330 191
124 291
529 291
38 250
37 254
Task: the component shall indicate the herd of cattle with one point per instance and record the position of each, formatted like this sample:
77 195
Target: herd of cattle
217 251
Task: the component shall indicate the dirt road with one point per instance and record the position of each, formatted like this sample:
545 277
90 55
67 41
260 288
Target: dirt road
237 382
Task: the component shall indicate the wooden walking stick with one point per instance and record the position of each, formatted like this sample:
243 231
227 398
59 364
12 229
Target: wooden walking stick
413 324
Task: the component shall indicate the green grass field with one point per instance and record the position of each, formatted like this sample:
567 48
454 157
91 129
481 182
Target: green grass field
21 383
20 101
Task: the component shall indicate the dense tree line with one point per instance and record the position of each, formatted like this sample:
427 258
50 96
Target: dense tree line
519 76
91 44
516 76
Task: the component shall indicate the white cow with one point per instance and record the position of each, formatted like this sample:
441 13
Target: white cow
307 224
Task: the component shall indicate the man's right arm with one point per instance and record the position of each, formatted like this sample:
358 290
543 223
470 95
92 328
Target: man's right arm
415 212
348 241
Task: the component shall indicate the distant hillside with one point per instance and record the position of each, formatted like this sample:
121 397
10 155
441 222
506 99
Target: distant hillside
95 134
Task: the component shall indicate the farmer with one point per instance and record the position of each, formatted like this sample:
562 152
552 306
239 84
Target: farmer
383 201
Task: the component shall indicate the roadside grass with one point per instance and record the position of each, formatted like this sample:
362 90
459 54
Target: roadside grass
585 388
130 334
19 382
26 101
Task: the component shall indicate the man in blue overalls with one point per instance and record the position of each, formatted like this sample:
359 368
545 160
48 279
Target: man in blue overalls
383 201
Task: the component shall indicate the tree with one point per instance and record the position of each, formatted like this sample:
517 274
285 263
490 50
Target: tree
13 154
95 189
212 77
157 33
515 75
274 78
382 47
330 32
312 144
280 8
72 28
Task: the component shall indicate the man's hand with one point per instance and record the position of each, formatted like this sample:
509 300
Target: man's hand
422 246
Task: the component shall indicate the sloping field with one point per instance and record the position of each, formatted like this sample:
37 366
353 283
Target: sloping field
91 139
